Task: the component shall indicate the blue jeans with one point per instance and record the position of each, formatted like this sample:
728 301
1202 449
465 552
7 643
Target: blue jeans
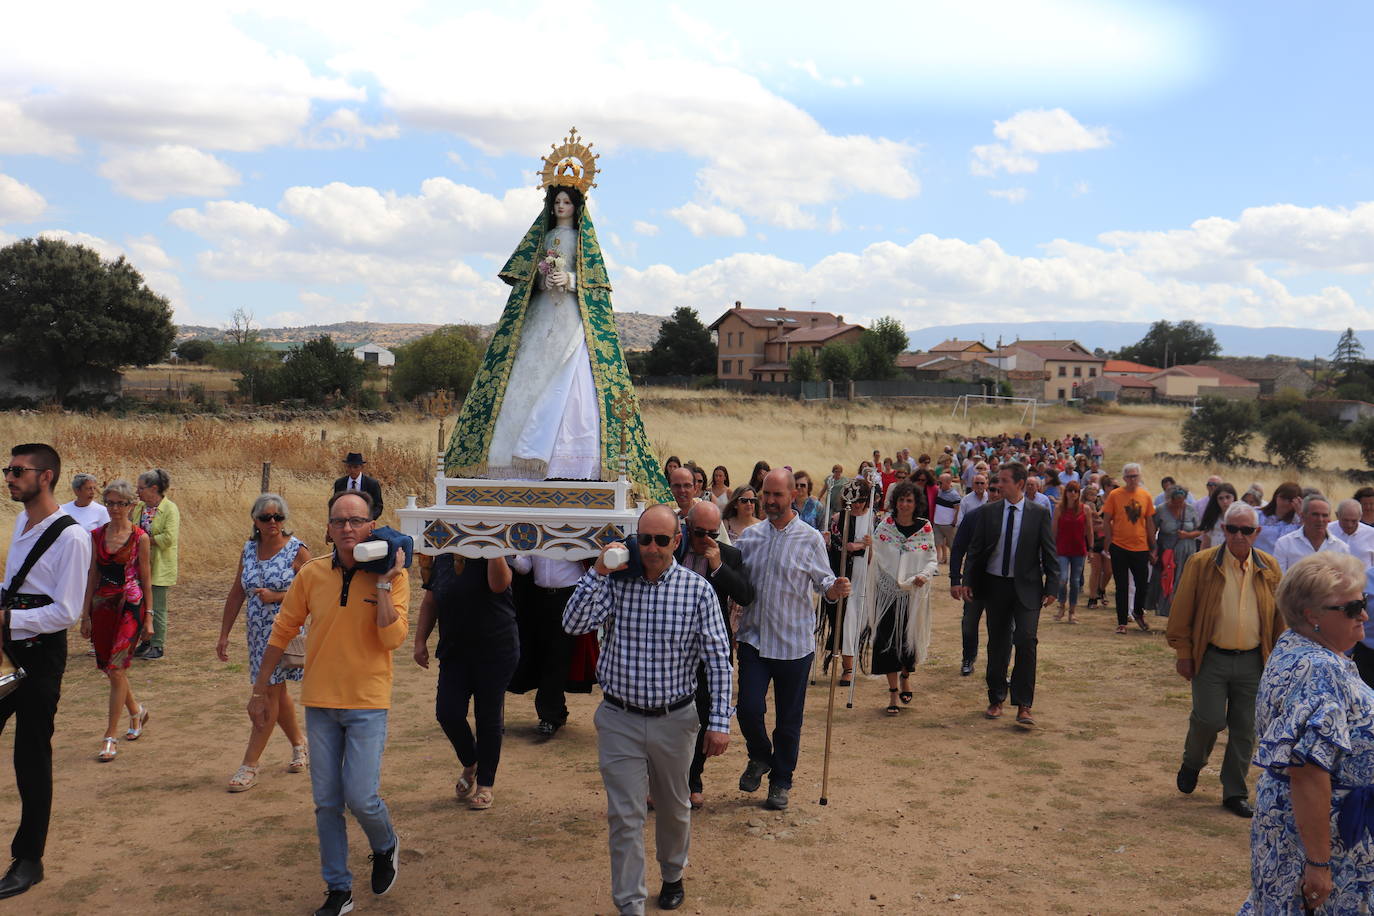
789 694
346 769
1071 578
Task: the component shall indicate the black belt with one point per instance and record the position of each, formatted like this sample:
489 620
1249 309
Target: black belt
34 642
554 591
655 712
25 602
1212 648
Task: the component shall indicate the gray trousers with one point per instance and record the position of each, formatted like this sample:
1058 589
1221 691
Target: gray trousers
642 756
1224 691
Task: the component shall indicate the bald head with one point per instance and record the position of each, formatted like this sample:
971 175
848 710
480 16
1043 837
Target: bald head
1348 514
776 496
707 515
659 519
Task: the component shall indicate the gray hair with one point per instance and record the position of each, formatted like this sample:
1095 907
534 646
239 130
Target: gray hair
1237 509
157 477
120 488
80 480
1314 498
1349 504
1131 466
273 499
1315 579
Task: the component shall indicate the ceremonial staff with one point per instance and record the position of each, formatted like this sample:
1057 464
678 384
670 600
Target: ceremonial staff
848 497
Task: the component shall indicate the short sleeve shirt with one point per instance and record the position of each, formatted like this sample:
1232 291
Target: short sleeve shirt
1130 513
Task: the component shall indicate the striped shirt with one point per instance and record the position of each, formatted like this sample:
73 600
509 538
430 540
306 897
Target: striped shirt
786 567
656 633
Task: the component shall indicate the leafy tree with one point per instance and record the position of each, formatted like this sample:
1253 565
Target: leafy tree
65 313
1292 438
683 347
878 347
243 349
839 362
195 350
447 358
1361 433
313 371
889 336
804 366
1219 428
1179 344
1349 353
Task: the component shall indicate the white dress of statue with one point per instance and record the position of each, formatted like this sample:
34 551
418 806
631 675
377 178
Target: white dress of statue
549 426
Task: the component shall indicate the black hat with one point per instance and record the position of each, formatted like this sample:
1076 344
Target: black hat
354 458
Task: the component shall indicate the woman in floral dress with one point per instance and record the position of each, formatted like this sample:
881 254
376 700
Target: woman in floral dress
269 563
1312 837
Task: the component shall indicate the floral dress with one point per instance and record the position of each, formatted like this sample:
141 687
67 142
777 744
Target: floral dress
117 602
1312 707
275 573
896 608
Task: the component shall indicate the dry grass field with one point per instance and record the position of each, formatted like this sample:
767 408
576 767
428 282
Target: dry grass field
934 809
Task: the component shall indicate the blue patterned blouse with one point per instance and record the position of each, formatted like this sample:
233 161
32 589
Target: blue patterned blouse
1313 709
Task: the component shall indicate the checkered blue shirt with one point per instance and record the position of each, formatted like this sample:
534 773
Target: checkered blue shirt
656 633
786 567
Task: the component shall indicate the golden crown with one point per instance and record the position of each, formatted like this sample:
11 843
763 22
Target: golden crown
572 165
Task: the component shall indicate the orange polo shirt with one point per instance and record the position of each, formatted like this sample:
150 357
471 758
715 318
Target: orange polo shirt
347 656
1129 512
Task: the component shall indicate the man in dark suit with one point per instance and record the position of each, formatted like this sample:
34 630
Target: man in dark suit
355 479
1011 567
722 566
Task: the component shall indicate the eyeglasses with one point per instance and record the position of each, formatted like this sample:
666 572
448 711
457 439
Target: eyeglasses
1353 609
117 503
662 540
356 521
681 486
15 470
704 533
274 517
1246 530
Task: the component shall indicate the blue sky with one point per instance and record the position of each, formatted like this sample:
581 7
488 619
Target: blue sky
937 161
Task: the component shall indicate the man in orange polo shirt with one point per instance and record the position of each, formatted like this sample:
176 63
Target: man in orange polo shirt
1130 542
356 620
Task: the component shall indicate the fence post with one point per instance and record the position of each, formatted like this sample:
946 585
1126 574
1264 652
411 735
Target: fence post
266 476
323 435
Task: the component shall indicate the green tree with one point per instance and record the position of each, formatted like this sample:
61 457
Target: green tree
1167 344
313 371
1349 353
804 366
683 346
1219 428
243 348
196 350
1292 438
878 347
66 314
447 358
1361 433
839 362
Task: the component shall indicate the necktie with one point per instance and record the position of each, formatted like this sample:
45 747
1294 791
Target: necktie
1006 545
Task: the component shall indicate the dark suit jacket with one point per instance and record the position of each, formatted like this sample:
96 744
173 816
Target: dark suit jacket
731 581
370 486
1035 568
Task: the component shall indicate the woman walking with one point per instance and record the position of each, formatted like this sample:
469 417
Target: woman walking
1222 496
267 565
116 609
159 517
897 602
1176 539
1073 536
741 512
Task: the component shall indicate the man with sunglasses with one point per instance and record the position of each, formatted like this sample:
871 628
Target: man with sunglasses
1222 625
661 628
36 617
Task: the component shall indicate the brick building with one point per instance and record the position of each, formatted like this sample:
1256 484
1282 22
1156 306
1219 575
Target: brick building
758 344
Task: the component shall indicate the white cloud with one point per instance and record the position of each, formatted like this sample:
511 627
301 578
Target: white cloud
19 203
708 221
643 228
229 219
21 134
1010 195
345 128
169 170
810 69
1034 132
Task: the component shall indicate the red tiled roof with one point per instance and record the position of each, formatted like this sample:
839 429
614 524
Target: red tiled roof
957 346
1048 351
784 318
1224 379
1125 365
816 334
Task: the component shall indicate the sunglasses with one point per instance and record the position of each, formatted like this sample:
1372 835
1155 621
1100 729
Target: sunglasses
1352 609
15 470
704 533
271 517
662 540
1246 530
746 499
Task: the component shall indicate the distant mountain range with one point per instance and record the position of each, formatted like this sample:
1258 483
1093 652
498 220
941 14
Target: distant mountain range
1235 340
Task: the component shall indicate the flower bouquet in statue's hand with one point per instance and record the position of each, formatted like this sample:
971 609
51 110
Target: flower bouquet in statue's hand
553 268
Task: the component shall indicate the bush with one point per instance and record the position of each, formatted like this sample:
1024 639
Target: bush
446 359
1361 433
196 350
804 366
1219 428
839 362
1292 438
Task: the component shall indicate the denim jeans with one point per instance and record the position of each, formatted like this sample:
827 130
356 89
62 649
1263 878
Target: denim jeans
346 769
789 698
1071 578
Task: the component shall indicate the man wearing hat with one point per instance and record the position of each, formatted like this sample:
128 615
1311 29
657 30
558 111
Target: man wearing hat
356 480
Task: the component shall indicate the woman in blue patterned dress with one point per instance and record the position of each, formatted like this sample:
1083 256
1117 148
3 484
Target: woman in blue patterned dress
269 562
1312 838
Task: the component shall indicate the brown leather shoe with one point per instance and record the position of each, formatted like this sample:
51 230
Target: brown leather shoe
994 711
1023 717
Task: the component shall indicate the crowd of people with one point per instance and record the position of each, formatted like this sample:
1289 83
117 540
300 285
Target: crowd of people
722 595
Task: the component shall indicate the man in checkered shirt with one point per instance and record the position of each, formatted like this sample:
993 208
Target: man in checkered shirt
659 627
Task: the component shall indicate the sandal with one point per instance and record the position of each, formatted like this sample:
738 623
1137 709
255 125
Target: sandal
892 708
465 786
1060 614
108 750
847 677
137 723
906 695
244 778
1121 630
300 758
481 799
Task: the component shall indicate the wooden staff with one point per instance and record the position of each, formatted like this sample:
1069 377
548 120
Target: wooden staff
851 493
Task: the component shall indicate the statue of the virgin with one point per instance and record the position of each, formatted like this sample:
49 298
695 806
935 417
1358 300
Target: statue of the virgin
553 397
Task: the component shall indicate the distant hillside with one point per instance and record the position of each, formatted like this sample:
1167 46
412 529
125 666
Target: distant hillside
637 331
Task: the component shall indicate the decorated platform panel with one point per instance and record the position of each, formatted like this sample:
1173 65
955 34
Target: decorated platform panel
568 519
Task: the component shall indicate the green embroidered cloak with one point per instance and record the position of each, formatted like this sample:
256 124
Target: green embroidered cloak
471 442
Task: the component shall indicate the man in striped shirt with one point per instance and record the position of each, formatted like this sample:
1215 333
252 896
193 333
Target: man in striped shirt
659 627
787 562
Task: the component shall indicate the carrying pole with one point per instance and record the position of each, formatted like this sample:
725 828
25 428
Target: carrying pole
851 492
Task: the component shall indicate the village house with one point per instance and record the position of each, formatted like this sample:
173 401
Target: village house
1272 375
962 349
758 344
1124 367
1063 365
1188 382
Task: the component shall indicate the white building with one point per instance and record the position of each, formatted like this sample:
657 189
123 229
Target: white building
374 354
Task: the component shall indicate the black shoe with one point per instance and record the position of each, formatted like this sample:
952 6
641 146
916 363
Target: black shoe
1187 779
752 777
23 874
336 903
384 866
153 653
142 649
547 729
966 669
1239 806
672 895
777 799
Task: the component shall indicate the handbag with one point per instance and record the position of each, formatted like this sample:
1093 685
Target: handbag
293 656
11 675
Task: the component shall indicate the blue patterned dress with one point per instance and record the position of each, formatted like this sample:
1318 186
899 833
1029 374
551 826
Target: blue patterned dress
275 573
1312 707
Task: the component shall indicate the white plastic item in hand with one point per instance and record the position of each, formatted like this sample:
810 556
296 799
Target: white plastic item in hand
615 558
367 551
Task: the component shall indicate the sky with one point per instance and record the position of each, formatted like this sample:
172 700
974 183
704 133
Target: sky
939 162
